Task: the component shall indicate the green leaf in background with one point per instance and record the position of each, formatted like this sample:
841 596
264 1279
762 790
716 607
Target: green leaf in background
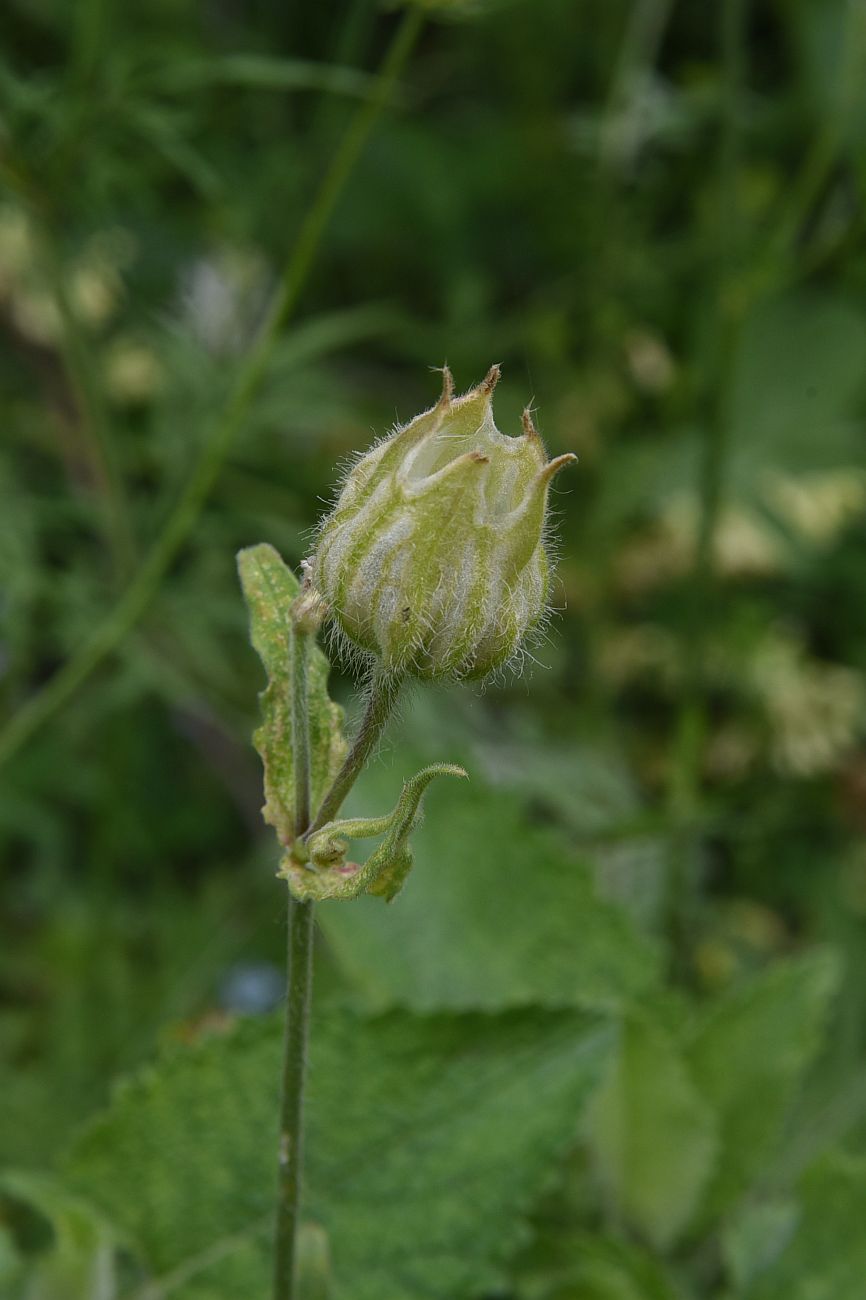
577 1266
269 589
592 793
402 1112
498 912
829 47
653 1135
79 1263
752 1239
747 1057
798 370
586 788
825 1257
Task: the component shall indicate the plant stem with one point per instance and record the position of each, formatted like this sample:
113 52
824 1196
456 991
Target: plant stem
299 976
380 705
119 621
383 695
299 966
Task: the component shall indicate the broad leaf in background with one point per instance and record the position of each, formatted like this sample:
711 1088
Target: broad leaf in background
587 788
653 1135
269 589
498 912
401 1112
592 793
825 1258
748 1055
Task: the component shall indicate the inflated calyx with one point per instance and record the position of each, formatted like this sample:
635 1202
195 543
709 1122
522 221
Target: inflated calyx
433 559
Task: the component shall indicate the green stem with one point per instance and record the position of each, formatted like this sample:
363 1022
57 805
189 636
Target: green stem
109 634
291 1158
299 976
383 695
380 705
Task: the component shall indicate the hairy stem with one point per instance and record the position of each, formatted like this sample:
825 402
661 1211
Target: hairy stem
119 621
380 705
291 1154
299 975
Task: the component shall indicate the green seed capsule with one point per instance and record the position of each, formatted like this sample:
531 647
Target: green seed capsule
433 558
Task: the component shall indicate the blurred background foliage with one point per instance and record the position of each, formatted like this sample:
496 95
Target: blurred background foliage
651 213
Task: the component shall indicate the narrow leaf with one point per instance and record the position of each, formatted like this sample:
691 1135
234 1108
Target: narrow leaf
270 587
653 1135
328 875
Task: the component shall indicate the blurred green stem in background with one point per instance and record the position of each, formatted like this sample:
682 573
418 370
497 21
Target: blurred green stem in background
638 52
91 21
93 415
119 621
684 795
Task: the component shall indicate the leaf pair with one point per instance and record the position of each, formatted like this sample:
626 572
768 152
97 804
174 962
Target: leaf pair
316 867
327 874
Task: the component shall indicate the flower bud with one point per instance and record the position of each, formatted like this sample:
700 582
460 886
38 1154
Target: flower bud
433 558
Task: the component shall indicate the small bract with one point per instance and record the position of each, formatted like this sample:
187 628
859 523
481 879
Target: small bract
433 557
